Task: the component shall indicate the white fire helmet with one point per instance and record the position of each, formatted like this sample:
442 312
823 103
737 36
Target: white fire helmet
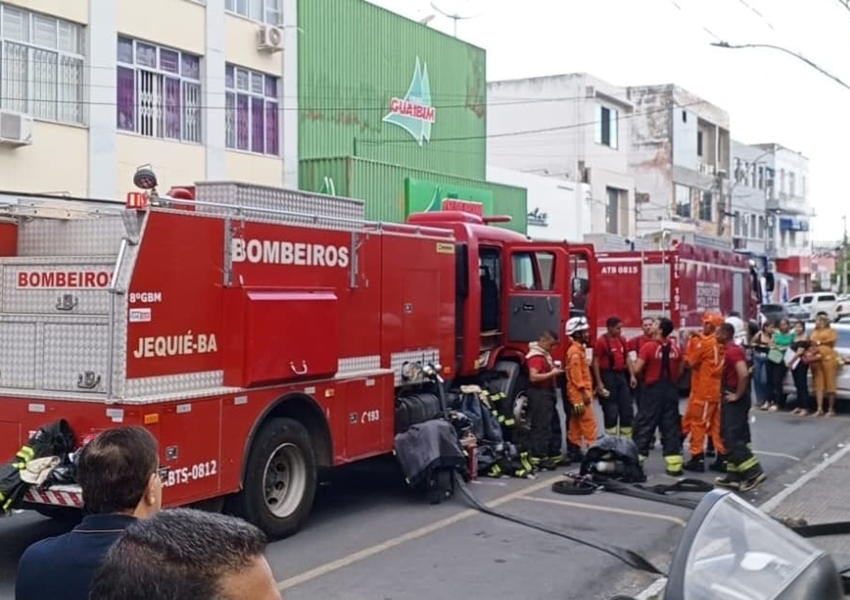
740 329
576 324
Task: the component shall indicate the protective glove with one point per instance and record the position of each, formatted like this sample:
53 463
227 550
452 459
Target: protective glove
578 408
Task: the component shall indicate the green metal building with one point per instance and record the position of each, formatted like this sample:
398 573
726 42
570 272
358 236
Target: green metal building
388 106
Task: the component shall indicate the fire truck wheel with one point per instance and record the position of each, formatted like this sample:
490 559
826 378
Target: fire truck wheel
280 479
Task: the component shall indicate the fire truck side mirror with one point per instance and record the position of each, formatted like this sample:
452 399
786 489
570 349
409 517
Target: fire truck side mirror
769 282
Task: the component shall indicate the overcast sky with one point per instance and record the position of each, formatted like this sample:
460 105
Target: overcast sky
770 96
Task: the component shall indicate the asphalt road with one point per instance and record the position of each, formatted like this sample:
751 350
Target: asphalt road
371 539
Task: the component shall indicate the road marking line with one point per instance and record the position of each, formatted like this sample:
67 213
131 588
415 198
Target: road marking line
608 509
407 537
654 590
773 503
776 454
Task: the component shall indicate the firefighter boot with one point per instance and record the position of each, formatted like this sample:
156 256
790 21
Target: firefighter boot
752 479
730 480
696 464
559 460
719 464
574 454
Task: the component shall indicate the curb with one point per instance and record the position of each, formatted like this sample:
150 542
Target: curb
768 506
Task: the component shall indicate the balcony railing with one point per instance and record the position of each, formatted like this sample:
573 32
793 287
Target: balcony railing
788 204
774 250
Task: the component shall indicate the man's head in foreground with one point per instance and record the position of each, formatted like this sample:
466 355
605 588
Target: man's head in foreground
186 554
117 472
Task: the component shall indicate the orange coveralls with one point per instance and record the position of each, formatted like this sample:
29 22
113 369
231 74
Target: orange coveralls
703 413
580 391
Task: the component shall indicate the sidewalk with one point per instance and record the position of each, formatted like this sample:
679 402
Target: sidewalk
820 495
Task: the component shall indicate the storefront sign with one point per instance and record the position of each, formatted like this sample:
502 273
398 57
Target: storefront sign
538 218
429 196
474 208
414 113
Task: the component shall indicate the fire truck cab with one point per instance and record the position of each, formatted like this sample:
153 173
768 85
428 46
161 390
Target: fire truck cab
509 288
260 334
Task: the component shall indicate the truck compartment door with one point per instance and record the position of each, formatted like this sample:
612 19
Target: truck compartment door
55 323
537 291
275 336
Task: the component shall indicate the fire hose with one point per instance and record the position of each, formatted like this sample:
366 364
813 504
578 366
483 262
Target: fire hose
629 557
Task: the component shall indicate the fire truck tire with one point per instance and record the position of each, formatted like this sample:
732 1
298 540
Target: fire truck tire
280 479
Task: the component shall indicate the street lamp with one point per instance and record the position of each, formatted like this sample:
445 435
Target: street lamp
461 10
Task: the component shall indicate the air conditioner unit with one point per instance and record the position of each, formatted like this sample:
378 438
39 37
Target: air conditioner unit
15 129
270 39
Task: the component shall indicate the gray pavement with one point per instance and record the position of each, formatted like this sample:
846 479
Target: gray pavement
371 539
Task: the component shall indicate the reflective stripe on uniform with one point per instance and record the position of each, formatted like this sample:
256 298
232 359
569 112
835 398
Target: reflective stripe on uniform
674 462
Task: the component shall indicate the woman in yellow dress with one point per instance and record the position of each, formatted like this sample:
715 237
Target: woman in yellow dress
825 370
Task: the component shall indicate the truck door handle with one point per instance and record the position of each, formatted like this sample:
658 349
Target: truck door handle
296 370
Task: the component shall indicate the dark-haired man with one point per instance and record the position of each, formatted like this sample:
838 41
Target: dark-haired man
743 471
615 378
186 554
660 363
117 472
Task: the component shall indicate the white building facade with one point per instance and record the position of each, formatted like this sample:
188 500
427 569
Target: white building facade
748 192
558 209
578 130
183 85
680 151
788 205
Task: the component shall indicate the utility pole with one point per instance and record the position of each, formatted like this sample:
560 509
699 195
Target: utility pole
722 209
844 257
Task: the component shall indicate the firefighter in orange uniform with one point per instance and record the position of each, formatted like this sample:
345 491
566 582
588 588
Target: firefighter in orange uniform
702 418
582 426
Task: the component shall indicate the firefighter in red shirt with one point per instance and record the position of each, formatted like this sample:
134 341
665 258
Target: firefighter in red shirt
635 344
543 376
615 379
660 363
582 422
743 471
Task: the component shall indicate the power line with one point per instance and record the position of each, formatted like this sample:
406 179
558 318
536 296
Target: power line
4 100
756 12
700 24
544 129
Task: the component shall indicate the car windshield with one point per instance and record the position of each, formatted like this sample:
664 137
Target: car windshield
739 553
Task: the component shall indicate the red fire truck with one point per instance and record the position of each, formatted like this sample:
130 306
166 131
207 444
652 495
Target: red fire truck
681 283
261 334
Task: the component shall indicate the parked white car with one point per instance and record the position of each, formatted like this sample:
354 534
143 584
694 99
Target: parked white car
842 308
842 385
813 303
